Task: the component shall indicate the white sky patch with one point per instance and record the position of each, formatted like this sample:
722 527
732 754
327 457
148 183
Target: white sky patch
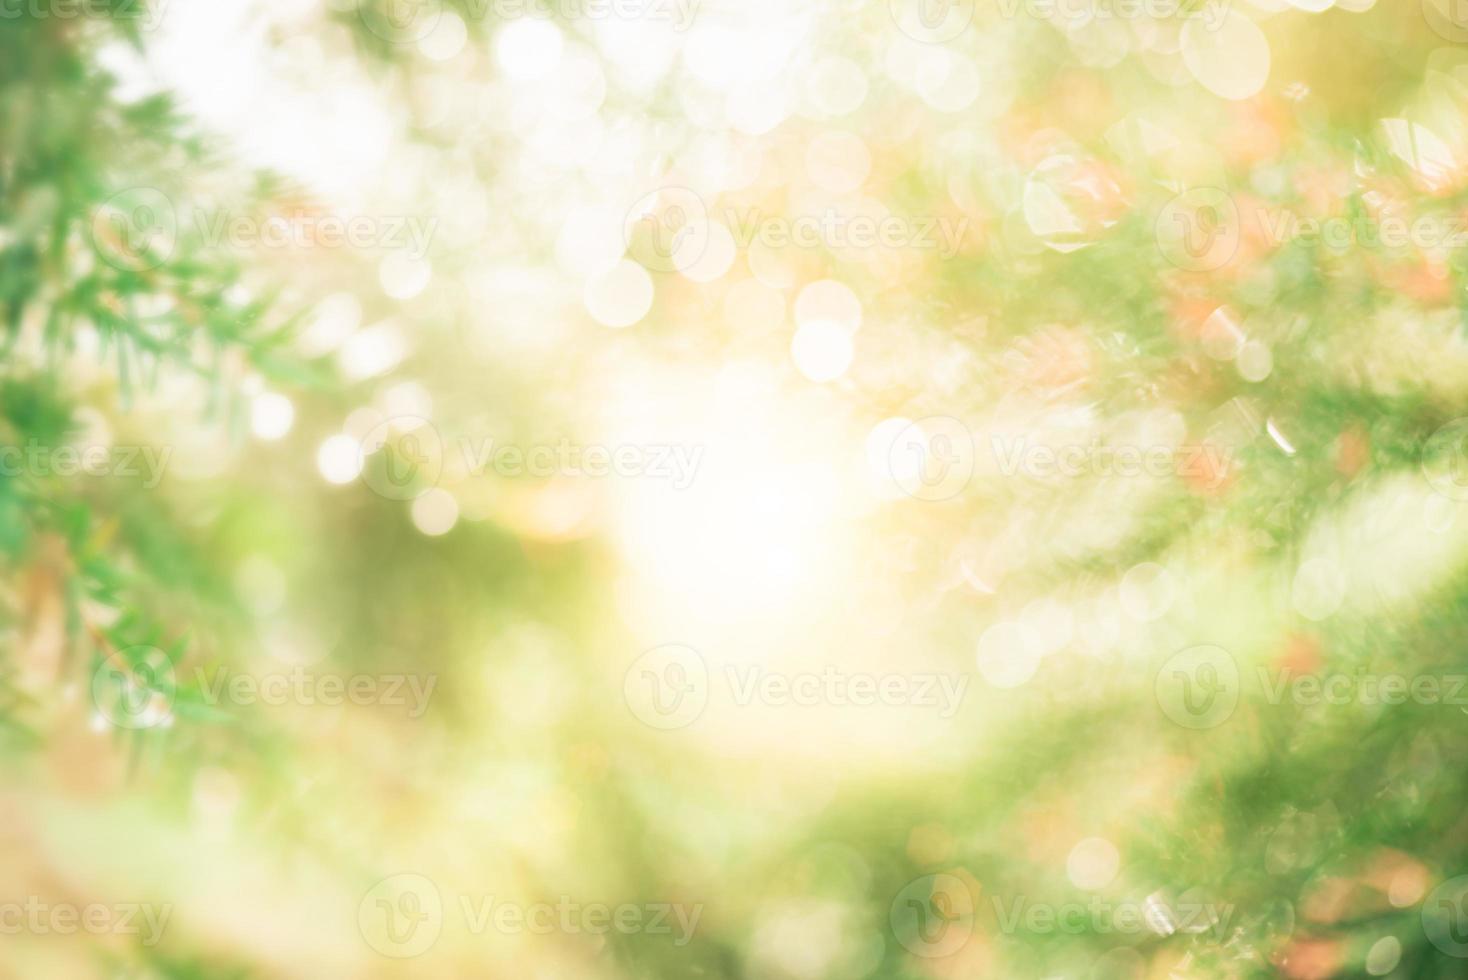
217 56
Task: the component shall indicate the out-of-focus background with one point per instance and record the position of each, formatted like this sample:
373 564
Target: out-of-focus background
765 489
